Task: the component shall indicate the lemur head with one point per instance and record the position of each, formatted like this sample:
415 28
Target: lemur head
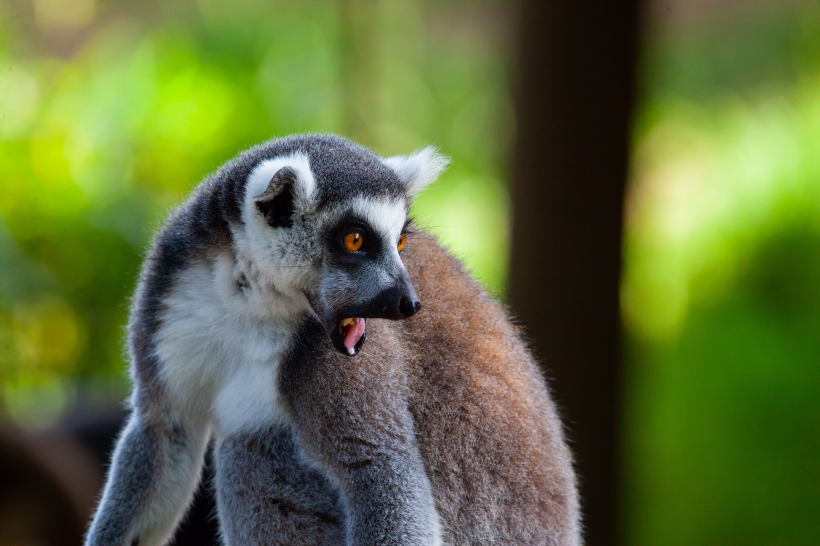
326 221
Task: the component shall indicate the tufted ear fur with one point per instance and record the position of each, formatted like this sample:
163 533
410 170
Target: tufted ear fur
418 169
277 187
276 203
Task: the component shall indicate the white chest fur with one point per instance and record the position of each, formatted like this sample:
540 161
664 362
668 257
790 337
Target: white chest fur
219 358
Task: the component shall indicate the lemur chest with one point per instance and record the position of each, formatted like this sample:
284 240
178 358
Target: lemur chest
216 362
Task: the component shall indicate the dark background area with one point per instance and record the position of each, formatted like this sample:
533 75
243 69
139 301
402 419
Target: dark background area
574 102
641 184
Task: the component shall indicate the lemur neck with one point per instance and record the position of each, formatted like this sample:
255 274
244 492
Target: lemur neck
257 293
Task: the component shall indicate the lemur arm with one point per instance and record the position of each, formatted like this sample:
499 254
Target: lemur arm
351 417
388 495
153 475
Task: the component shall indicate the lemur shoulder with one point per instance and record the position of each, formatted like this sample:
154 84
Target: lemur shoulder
258 324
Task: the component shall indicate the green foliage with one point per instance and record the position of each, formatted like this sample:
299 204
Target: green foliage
96 145
721 295
102 132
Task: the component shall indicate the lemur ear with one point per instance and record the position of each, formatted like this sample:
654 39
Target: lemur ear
418 169
278 187
276 203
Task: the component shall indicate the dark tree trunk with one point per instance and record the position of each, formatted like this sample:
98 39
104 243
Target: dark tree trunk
576 81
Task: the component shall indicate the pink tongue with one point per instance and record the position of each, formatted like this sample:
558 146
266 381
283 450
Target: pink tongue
354 334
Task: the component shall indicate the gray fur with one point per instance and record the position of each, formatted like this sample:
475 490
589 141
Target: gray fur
363 439
267 495
154 472
439 432
130 482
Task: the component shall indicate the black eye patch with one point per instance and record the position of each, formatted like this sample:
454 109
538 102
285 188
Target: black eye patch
372 243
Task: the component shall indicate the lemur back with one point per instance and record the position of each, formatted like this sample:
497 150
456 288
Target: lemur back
277 315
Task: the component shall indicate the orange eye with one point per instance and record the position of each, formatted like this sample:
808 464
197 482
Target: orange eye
353 241
402 241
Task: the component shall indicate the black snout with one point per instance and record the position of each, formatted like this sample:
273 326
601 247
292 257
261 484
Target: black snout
395 303
408 306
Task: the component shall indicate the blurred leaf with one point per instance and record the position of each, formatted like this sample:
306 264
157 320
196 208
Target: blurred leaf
721 289
111 112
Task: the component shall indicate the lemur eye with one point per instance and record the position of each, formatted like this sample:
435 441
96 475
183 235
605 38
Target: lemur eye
402 241
353 241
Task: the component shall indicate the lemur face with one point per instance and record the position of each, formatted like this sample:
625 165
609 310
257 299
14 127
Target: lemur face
340 252
362 274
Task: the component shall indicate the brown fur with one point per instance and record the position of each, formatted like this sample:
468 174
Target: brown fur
457 381
475 384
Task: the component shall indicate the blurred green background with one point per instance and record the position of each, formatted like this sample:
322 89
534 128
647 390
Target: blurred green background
110 112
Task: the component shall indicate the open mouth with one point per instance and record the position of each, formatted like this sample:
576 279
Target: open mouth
352 334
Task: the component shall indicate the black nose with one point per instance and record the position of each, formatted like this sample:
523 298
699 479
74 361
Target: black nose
408 307
395 303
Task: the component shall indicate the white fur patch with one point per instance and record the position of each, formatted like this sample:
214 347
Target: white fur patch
262 174
418 169
249 399
220 361
385 217
262 249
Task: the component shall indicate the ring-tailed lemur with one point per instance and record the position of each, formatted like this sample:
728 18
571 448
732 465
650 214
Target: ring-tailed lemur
252 301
